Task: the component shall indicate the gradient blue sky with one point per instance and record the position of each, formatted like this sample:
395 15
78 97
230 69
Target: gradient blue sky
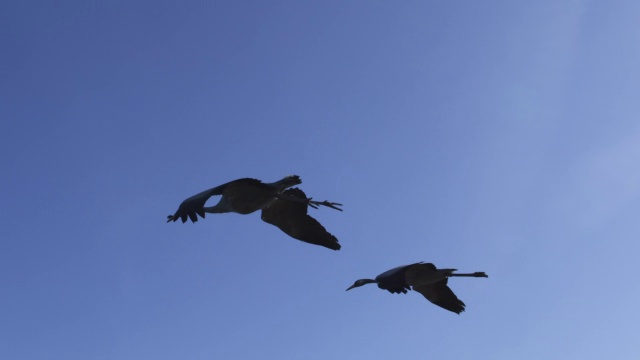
488 136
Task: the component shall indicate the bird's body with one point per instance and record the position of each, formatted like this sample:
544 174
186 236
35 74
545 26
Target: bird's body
393 280
285 209
424 278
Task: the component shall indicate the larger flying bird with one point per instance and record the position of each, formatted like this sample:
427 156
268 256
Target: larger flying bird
282 207
423 278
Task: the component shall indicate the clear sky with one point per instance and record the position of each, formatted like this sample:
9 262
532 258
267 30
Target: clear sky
496 136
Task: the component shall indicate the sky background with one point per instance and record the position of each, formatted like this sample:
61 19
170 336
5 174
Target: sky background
496 136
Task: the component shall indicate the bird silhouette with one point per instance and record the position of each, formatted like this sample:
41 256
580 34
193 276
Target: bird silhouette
282 207
424 278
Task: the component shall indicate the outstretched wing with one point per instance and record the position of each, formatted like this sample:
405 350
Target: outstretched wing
291 217
195 204
440 294
420 273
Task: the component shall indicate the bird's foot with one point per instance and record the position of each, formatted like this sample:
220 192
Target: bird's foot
333 205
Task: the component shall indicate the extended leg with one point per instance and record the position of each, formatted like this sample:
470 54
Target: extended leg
308 201
475 274
333 205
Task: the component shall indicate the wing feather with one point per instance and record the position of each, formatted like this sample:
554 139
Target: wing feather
291 217
193 206
440 294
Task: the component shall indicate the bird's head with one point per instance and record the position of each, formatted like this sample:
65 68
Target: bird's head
361 282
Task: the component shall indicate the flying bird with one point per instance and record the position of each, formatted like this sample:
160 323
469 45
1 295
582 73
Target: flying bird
423 278
282 207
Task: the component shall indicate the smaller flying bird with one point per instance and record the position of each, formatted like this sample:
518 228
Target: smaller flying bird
423 278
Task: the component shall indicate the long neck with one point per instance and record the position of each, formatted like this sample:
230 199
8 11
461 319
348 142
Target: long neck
475 274
361 282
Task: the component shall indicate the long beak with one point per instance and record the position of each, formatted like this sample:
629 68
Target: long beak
351 287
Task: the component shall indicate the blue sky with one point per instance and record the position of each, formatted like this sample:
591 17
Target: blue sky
486 136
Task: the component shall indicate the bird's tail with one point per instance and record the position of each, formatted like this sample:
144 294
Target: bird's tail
288 181
443 273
